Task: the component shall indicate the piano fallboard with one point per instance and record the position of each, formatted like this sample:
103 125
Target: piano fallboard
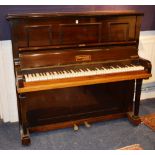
74 56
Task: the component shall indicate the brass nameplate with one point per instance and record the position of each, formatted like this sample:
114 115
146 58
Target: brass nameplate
83 57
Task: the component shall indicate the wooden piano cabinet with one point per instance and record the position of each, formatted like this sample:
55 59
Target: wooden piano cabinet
45 41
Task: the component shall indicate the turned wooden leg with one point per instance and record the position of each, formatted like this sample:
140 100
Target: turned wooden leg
133 116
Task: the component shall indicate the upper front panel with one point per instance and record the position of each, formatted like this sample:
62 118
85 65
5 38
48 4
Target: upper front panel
77 31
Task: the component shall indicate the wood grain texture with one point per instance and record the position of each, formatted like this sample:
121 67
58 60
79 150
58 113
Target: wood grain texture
93 28
70 14
68 56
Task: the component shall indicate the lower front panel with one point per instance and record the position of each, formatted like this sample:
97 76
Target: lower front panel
70 104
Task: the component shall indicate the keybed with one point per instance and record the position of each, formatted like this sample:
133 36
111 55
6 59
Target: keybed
80 72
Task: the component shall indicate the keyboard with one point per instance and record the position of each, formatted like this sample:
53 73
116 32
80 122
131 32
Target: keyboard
80 72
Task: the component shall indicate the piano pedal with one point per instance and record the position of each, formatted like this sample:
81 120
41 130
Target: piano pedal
87 124
76 128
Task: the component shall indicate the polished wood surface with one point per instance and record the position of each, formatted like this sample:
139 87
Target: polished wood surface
69 56
78 14
90 29
44 42
78 102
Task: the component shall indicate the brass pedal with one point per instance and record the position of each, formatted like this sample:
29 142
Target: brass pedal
76 128
87 124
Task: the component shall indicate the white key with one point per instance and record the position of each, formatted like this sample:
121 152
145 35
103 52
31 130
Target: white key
26 78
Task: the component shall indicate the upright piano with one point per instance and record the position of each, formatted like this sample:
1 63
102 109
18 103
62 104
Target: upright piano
74 69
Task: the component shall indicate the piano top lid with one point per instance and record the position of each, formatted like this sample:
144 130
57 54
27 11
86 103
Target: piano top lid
69 14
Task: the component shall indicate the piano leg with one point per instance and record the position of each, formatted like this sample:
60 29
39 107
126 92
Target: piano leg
133 116
24 132
25 137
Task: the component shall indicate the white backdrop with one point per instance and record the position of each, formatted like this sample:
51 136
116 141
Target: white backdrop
8 105
147 50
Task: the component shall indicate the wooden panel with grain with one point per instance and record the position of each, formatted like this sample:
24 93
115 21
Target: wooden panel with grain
69 56
38 35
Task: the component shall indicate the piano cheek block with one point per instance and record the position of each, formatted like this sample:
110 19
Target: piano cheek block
74 69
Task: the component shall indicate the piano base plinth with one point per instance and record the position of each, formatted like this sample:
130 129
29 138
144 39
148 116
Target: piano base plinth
135 120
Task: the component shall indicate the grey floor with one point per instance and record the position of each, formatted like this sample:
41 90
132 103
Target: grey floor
107 135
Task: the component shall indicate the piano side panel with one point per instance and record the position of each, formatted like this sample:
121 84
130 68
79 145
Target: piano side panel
75 103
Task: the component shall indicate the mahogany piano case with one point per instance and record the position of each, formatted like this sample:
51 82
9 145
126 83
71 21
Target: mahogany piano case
76 68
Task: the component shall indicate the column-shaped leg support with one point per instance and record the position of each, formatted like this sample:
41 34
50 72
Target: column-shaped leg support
133 116
24 132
